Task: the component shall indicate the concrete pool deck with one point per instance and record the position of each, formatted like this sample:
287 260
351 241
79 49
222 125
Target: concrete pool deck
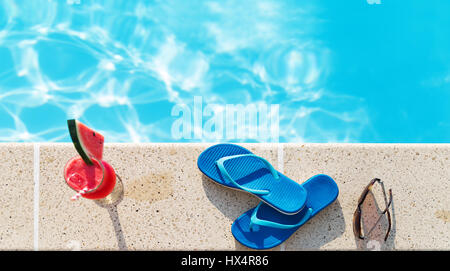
163 202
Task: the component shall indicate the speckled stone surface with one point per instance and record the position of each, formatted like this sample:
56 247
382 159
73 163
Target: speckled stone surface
16 196
419 176
163 202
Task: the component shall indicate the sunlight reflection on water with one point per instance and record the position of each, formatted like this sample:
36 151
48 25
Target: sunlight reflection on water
121 66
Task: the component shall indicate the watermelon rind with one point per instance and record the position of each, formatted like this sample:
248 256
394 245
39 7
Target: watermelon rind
72 124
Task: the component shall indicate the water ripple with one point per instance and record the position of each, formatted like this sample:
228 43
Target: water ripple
121 66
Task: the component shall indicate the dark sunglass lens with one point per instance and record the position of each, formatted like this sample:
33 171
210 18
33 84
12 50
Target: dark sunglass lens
357 223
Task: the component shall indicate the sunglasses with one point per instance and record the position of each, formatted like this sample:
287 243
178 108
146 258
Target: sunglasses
357 215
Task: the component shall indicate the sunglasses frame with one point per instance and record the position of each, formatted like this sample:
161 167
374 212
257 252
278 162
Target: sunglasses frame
357 230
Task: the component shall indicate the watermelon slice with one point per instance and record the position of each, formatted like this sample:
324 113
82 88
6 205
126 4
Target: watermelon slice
88 142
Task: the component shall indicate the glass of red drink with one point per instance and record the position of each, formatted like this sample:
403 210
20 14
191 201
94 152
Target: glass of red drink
99 178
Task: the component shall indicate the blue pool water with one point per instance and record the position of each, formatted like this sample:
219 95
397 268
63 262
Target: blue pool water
359 71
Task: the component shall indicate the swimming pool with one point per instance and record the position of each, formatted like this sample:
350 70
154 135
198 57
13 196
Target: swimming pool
143 71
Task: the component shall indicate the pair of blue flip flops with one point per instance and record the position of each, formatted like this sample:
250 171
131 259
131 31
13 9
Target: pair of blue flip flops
285 205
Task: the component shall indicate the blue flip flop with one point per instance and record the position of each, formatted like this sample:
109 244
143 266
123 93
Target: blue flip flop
236 167
263 227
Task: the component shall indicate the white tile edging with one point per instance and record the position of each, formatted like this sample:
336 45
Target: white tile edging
280 157
36 172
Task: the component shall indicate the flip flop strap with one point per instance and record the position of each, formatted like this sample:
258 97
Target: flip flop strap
256 221
220 164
